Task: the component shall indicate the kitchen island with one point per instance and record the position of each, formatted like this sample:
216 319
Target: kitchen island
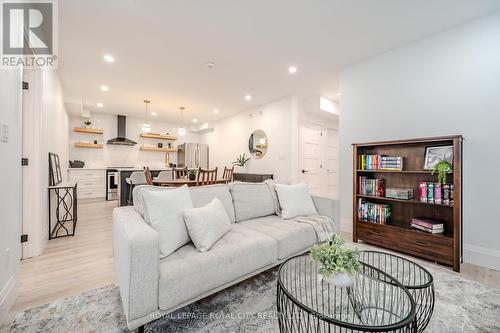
123 186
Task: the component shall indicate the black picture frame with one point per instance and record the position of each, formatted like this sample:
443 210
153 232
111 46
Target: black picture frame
434 154
55 175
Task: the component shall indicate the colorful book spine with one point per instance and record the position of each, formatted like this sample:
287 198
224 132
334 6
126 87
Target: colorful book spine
373 213
446 194
430 192
423 191
437 194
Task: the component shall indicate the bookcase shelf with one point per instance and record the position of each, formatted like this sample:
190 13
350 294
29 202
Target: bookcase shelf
396 233
410 201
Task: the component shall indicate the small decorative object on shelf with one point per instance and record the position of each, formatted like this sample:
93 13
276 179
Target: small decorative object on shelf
95 142
160 145
339 265
399 193
434 155
442 168
87 123
191 174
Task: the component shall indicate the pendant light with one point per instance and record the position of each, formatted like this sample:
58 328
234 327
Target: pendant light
146 127
182 130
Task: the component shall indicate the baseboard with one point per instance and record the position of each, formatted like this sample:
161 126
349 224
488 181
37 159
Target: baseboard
482 256
8 296
345 225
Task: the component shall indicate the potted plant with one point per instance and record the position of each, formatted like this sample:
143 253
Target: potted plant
87 123
442 168
241 160
191 173
339 265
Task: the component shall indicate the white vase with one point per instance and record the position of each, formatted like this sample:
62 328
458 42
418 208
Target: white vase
339 279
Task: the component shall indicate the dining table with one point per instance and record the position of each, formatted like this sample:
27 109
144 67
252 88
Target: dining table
183 181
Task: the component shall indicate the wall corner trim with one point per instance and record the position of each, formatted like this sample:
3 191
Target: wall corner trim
8 296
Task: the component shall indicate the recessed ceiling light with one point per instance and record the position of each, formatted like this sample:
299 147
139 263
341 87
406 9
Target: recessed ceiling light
195 120
153 113
109 58
104 88
100 105
210 64
248 97
216 111
292 69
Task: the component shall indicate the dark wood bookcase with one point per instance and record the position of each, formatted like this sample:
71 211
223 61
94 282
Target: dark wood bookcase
396 234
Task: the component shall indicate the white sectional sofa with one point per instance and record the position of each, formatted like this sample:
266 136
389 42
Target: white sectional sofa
259 239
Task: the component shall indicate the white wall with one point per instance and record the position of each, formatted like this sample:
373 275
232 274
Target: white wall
113 155
278 119
10 178
445 84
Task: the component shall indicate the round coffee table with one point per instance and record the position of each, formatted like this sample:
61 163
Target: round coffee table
376 302
416 279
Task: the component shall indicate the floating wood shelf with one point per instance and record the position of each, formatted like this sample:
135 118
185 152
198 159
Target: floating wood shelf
88 145
88 130
164 149
158 136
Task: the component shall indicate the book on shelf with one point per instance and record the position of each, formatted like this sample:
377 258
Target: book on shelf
371 187
431 231
380 162
427 223
399 193
372 212
436 193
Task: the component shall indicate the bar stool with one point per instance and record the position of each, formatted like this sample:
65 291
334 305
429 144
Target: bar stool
164 175
136 178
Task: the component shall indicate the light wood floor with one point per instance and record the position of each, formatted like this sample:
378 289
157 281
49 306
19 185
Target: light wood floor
72 265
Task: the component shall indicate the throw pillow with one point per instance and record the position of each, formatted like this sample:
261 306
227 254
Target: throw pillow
166 215
207 224
295 200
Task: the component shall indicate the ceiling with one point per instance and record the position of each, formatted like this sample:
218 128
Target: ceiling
161 48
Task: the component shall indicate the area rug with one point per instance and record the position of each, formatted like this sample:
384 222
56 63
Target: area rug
250 306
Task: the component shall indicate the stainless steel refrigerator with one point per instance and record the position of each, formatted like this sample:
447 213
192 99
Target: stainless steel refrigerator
192 155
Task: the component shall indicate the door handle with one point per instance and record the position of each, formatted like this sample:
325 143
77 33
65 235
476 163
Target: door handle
421 243
376 233
304 171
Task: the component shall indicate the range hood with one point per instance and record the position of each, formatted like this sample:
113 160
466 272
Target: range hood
122 132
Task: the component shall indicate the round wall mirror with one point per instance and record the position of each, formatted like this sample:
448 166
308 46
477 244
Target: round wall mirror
258 143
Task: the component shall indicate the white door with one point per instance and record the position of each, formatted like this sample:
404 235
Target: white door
311 147
332 161
30 136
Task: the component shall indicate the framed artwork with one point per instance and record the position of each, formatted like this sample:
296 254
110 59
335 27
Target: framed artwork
438 153
55 175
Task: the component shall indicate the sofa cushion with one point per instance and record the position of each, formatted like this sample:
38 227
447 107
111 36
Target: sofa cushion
295 200
207 224
166 214
138 197
187 273
291 236
202 195
251 200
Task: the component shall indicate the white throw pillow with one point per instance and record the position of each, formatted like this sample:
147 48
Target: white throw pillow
295 200
166 215
207 224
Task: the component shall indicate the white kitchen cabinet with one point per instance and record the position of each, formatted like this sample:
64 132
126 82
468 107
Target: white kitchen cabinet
91 182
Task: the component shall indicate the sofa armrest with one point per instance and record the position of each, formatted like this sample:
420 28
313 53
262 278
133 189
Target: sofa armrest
328 207
136 253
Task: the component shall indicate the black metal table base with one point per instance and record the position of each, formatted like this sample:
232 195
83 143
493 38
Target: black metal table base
65 211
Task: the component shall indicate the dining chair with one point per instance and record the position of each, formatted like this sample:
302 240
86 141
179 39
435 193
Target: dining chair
136 178
228 174
179 173
206 177
147 175
164 176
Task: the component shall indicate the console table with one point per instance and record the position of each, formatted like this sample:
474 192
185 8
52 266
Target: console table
251 177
